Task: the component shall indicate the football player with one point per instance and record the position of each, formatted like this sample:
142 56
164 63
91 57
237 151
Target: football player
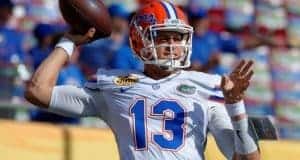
163 112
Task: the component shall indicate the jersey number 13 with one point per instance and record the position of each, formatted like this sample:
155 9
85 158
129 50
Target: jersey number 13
172 125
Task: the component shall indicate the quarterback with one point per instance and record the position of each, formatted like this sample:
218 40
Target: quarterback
164 111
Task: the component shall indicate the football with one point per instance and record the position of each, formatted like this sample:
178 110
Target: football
84 14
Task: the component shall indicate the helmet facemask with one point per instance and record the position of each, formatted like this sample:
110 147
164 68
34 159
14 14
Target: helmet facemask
179 52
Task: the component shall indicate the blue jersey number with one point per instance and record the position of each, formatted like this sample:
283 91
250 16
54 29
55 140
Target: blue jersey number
172 136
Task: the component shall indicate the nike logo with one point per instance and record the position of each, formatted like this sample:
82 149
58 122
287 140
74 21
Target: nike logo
123 90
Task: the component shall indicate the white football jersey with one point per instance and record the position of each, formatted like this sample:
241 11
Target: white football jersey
153 119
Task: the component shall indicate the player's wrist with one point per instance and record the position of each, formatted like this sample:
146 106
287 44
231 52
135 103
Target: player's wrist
66 44
236 109
241 125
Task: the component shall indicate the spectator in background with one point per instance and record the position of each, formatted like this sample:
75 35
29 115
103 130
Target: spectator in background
13 72
209 45
46 36
11 41
206 48
97 54
43 34
112 52
123 57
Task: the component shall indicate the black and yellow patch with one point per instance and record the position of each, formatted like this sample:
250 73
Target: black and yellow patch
125 80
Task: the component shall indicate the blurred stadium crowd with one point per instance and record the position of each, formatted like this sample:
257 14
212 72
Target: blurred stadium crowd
225 31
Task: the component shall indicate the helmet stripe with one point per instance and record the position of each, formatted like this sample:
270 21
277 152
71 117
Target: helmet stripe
170 10
174 10
166 9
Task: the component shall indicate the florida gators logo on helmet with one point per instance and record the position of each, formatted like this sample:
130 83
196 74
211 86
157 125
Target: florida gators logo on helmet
152 18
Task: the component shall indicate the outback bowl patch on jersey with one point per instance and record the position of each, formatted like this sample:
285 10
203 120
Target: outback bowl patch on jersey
126 80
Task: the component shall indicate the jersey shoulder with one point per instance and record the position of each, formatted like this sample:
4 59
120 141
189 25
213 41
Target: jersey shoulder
208 85
112 79
211 81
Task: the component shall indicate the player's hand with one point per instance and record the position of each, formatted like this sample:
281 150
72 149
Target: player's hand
236 83
81 39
